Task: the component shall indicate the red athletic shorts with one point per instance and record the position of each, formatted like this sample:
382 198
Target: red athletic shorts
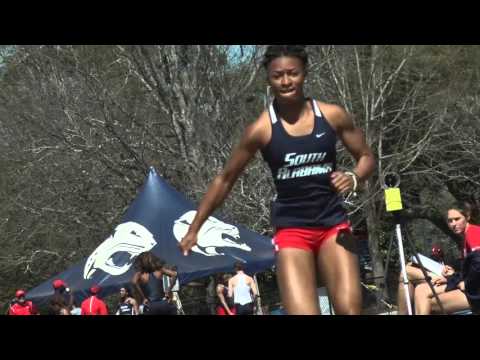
309 239
221 311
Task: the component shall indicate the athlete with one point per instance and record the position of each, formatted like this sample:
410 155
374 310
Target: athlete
297 137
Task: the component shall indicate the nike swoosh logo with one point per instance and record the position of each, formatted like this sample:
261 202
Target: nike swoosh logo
319 135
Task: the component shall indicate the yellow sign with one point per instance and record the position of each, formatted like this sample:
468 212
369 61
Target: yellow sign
393 199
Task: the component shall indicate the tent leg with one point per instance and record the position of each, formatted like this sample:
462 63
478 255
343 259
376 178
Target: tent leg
178 303
259 302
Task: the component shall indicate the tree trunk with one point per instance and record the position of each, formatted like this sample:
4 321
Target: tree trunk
374 233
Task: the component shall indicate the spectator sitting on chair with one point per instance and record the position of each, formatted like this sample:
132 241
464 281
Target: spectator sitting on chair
452 291
415 277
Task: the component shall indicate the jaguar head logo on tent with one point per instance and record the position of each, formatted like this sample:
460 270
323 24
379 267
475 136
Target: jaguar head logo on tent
129 238
212 235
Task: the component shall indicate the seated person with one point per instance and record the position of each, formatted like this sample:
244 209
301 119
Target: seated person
452 292
450 289
415 277
471 275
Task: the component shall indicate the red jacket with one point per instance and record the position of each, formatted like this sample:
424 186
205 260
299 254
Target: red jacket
472 239
94 306
27 308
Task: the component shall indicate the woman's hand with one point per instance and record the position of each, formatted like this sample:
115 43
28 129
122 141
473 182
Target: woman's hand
448 271
438 280
341 182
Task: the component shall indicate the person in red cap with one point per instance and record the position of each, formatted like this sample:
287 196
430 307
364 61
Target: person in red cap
62 299
437 254
94 305
21 306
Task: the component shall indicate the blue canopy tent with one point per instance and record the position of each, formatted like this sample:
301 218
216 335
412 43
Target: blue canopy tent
156 221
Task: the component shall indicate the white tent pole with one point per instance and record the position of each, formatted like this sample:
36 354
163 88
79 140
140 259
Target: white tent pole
259 302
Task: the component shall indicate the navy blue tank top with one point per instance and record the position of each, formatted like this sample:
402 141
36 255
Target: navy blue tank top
228 300
301 167
125 309
153 289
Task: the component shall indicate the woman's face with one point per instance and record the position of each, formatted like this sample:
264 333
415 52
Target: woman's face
286 75
457 222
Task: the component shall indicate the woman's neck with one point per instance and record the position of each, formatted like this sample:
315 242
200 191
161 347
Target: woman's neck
292 111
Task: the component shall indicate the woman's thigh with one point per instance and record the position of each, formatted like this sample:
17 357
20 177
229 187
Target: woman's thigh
296 275
452 302
338 266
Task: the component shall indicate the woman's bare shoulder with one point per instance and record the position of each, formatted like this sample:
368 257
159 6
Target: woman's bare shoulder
259 131
336 115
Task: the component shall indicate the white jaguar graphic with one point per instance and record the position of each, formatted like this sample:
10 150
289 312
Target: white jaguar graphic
212 235
129 237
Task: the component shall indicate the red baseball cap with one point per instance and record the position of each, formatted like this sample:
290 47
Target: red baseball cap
437 251
95 289
57 284
19 293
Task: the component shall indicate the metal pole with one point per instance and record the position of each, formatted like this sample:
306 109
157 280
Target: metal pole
259 302
387 263
404 270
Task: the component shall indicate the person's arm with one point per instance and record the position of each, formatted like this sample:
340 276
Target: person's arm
354 141
172 274
222 299
448 271
438 280
70 300
252 140
64 311
34 309
138 288
230 288
136 311
253 287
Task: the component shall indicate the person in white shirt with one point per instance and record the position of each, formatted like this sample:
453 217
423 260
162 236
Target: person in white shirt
242 288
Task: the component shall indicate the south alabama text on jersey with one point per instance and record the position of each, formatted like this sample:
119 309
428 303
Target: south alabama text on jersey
302 165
